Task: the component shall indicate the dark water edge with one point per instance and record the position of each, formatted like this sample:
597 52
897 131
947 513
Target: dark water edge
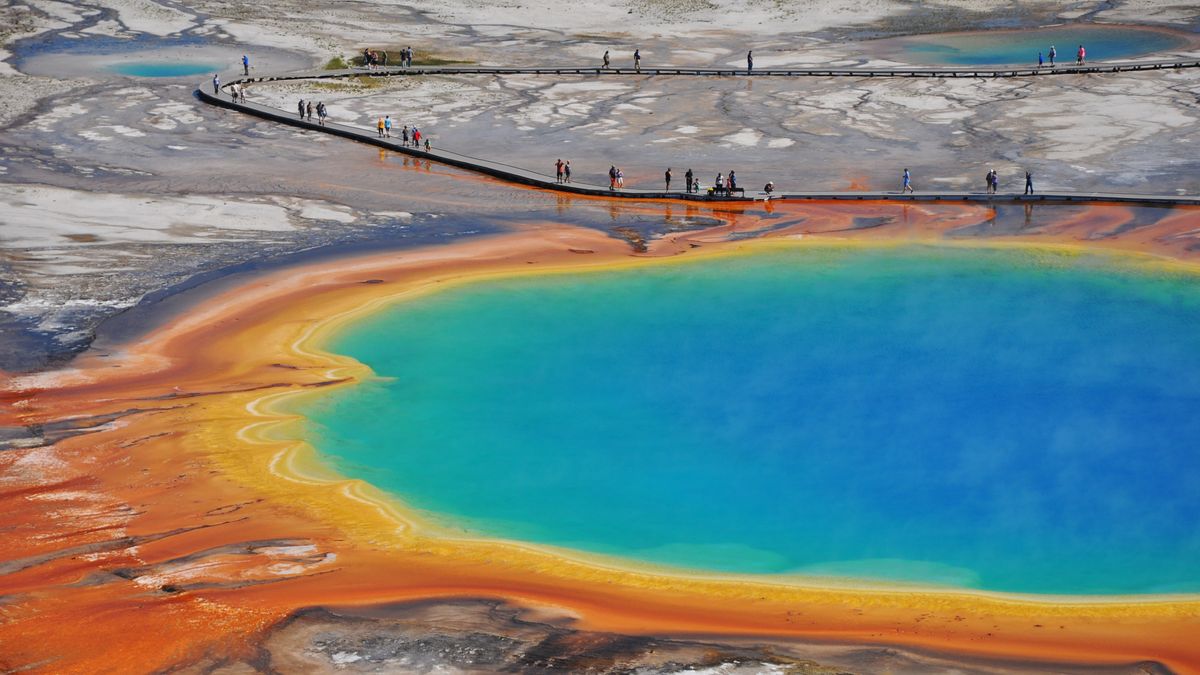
24 347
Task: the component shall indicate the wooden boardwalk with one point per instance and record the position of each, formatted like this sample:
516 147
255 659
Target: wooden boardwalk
522 176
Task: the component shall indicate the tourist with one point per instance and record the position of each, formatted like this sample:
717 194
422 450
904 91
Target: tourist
732 183
749 62
1080 56
408 56
404 134
242 93
558 171
1040 61
322 113
245 65
567 171
612 177
1053 53
310 110
300 107
606 59
1028 183
387 126
687 180
416 137
907 187
233 90
769 187
426 145
620 178
719 183
637 60
216 84
379 126
995 181
987 181
668 177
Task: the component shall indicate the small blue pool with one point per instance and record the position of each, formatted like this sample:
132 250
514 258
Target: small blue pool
1021 47
164 68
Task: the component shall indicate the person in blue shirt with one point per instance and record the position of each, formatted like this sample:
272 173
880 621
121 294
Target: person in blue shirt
245 64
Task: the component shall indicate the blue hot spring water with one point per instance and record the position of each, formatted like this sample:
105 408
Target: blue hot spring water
1007 420
1022 47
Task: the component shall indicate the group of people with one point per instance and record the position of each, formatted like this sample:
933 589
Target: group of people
992 180
562 171
384 126
307 108
1080 56
616 178
637 60
378 57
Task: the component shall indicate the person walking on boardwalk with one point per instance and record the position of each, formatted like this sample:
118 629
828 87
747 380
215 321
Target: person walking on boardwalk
309 108
637 60
1040 61
387 126
567 172
409 55
987 182
749 62
245 65
1080 56
416 137
667 176
558 171
216 84
322 113
1028 183
404 134
620 178
379 127
687 180
612 177
732 183
427 145
606 59
300 108
907 187
1053 53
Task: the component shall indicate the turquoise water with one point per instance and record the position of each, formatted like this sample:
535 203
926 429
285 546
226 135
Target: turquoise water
1022 47
966 417
164 68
